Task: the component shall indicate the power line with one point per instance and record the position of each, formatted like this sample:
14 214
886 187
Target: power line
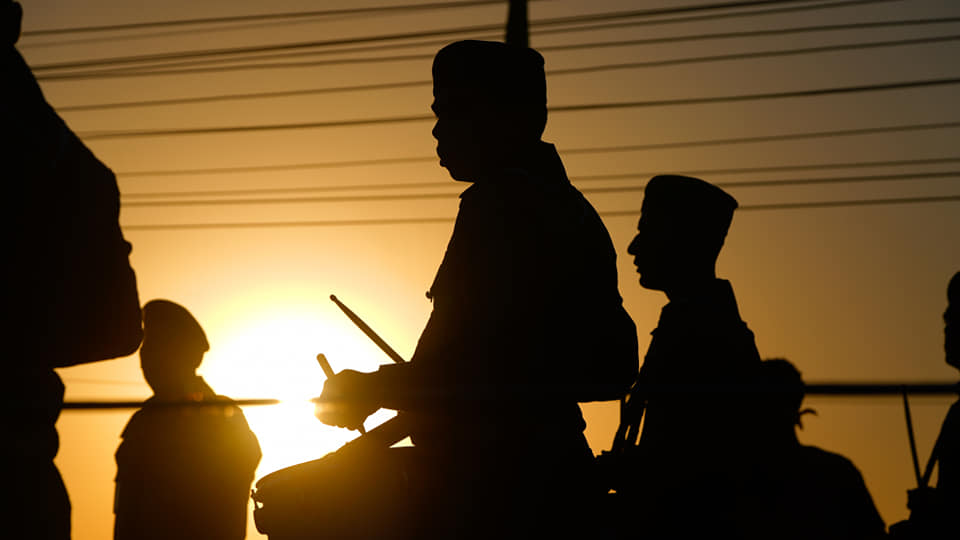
757 96
411 35
395 186
562 108
774 138
556 30
149 71
757 54
260 17
447 220
450 195
218 63
497 35
588 150
830 204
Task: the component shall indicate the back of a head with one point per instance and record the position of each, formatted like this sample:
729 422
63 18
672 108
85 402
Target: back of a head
173 344
506 78
11 17
783 390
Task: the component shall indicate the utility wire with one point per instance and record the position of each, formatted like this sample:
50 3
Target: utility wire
497 35
447 220
824 204
606 190
411 35
149 72
563 108
262 17
579 179
218 63
588 150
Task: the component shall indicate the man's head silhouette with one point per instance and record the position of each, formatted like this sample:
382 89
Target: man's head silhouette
951 323
490 101
683 223
783 394
172 349
11 16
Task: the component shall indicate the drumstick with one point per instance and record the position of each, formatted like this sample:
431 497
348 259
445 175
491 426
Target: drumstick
328 371
368 331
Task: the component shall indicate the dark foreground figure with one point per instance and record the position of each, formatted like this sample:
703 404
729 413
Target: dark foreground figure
183 470
684 476
804 492
69 296
935 512
527 321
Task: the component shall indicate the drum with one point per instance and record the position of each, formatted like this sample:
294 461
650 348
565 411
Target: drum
351 494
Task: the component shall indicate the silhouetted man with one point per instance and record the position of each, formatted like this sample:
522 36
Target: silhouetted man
183 470
69 297
527 319
690 457
804 492
934 511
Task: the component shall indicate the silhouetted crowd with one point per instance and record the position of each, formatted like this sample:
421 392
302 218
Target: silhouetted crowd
527 322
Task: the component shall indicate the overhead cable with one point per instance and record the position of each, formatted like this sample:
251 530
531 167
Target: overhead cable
579 179
408 35
121 134
261 17
447 220
586 150
149 72
588 190
229 64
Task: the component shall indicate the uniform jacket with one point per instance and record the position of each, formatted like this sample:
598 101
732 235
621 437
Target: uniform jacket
527 318
185 472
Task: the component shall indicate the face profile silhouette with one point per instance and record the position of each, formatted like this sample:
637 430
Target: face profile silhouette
490 103
173 347
683 223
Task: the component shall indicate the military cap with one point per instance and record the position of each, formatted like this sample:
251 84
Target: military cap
504 73
167 322
690 204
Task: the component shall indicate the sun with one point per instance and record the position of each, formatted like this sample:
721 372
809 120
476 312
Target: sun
271 353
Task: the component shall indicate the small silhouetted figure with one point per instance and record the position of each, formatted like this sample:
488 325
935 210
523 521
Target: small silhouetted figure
527 318
935 512
691 458
803 491
183 471
69 293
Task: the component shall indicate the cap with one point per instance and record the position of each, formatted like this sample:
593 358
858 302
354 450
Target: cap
506 73
691 203
166 321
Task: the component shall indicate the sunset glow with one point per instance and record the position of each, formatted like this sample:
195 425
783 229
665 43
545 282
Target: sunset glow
291 189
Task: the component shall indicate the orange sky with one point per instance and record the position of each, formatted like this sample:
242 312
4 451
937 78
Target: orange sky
849 293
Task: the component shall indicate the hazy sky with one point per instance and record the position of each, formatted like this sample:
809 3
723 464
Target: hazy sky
848 293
